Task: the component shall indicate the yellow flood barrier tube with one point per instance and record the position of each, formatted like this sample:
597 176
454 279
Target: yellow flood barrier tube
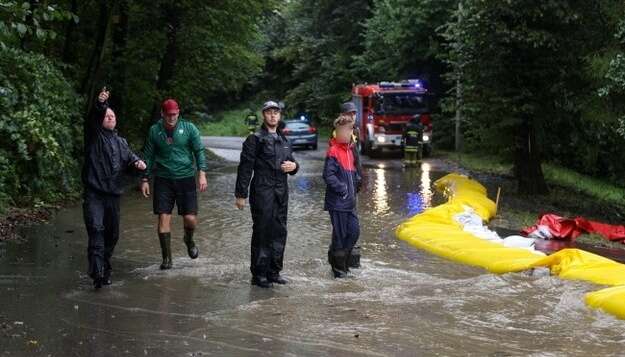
436 231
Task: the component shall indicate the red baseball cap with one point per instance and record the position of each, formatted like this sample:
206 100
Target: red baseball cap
170 106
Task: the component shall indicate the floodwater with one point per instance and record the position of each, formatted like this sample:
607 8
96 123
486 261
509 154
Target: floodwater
402 302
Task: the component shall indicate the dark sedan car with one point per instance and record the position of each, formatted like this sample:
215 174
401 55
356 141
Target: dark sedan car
301 134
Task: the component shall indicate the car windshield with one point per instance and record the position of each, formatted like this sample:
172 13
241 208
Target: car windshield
401 103
293 125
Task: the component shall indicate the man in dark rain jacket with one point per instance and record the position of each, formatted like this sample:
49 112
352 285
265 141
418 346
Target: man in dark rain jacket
266 159
107 155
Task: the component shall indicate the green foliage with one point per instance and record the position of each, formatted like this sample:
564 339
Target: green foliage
505 52
556 66
40 129
402 39
23 19
202 53
311 46
539 64
598 190
226 123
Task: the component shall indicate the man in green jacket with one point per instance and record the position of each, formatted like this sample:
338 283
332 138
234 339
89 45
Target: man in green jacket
172 153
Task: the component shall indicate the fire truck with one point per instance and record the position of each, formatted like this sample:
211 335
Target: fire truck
385 108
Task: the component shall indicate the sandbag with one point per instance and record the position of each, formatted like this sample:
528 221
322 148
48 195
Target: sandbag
441 230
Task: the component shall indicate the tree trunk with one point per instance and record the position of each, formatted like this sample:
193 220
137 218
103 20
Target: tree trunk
70 27
527 162
93 68
120 40
168 62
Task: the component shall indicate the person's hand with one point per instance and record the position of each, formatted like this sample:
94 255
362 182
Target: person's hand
288 166
202 181
240 203
140 165
145 189
104 95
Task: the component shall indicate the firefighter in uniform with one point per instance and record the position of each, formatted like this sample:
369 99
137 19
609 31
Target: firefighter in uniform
251 120
413 142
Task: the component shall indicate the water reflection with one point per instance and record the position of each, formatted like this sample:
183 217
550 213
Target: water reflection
303 183
426 185
207 306
419 192
414 203
380 193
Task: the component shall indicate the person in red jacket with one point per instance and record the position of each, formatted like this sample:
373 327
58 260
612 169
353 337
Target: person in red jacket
342 178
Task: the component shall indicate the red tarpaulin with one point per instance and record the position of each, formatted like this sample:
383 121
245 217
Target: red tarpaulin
553 226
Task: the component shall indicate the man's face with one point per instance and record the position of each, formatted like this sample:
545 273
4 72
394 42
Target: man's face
271 117
110 120
171 118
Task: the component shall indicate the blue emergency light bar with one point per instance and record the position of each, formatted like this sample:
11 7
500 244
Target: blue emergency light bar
410 83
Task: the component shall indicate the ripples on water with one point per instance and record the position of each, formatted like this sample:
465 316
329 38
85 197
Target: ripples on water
402 302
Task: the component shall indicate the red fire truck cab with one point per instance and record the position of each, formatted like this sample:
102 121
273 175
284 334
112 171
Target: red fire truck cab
385 108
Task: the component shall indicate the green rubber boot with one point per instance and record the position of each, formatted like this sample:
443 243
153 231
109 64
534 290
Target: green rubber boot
165 240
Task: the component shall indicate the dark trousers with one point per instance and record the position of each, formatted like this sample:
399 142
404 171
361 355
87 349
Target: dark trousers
268 238
345 231
412 154
101 215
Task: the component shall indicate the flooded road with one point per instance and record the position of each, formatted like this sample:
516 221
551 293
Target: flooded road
402 302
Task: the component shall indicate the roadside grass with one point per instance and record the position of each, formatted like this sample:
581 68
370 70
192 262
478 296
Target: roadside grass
598 240
226 123
556 176
232 123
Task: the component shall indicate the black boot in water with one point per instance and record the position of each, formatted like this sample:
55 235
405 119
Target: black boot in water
276 278
261 281
165 240
98 279
339 266
106 280
191 248
354 258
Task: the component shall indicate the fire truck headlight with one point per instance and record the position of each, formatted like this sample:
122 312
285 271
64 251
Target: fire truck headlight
380 138
426 138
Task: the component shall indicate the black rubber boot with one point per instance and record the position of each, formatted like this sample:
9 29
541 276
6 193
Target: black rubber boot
276 278
261 281
165 240
108 270
98 279
354 258
339 266
106 280
191 248
97 283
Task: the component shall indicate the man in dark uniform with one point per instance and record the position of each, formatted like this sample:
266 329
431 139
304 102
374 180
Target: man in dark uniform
266 159
413 142
349 109
107 155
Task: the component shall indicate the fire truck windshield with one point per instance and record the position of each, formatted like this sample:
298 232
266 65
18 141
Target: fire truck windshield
401 103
